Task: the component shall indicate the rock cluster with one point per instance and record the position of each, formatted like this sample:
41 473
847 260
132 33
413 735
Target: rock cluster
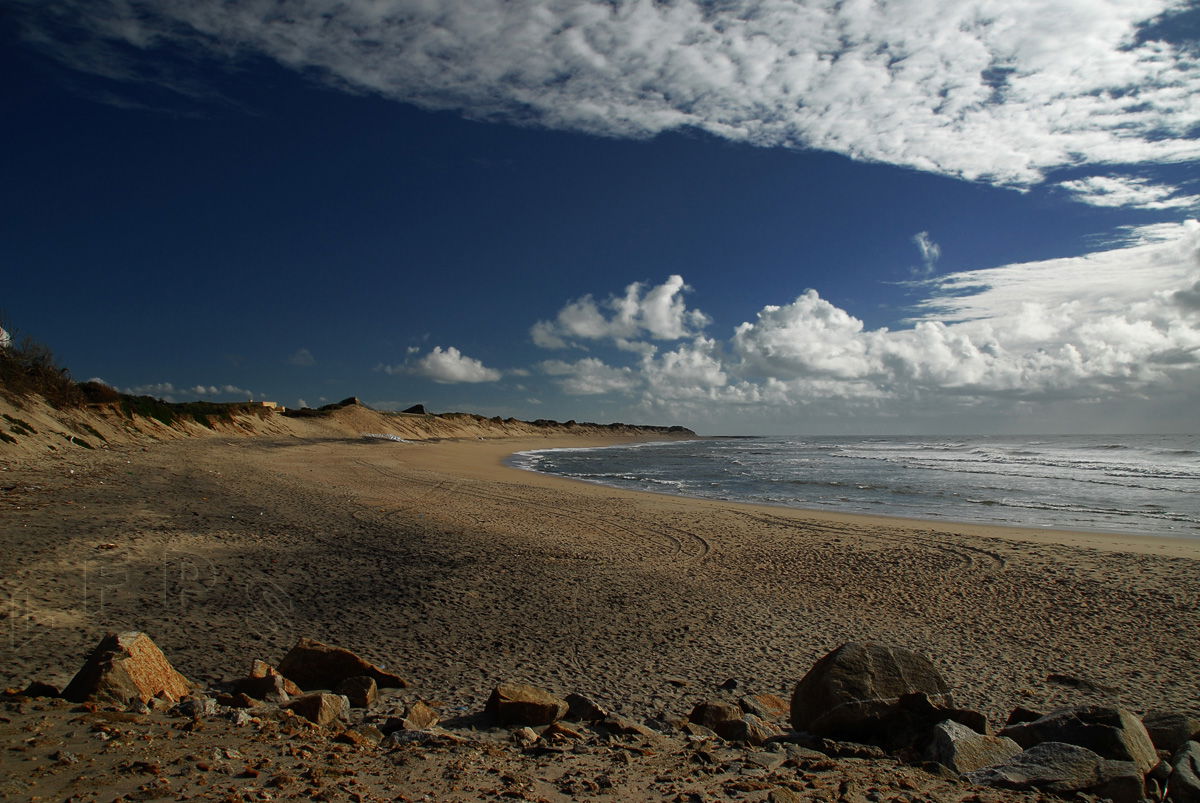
863 700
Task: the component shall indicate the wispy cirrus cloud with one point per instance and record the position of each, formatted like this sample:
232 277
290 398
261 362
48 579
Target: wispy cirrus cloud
1129 191
979 89
168 391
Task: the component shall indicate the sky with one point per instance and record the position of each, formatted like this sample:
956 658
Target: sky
772 217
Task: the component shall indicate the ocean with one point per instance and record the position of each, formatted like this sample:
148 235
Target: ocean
1141 484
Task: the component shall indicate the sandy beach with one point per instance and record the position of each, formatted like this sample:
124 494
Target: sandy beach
442 563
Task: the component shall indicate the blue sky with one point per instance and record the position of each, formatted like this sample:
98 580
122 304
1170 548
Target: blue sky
772 217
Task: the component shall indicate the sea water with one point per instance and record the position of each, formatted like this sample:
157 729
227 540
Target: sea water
1143 484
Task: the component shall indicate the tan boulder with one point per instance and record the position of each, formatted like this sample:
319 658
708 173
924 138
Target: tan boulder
319 708
419 717
313 665
123 667
521 704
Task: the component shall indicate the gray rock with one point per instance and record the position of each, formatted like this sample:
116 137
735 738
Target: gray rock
1112 733
1183 786
956 746
849 691
1170 729
1062 769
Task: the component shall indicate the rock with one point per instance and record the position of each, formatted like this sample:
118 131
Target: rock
319 708
558 730
748 728
1063 769
123 667
361 691
1183 785
849 691
363 736
698 732
728 684
419 717
261 669
710 712
1113 733
524 736
956 746
520 704
313 665
765 706
37 688
581 708
1170 729
1020 714
195 707
269 688
626 727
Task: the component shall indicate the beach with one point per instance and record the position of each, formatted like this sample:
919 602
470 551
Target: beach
443 564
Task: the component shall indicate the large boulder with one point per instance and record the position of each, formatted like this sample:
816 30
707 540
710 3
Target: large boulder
313 665
521 704
963 750
124 667
1183 785
1170 729
849 692
1112 733
1063 769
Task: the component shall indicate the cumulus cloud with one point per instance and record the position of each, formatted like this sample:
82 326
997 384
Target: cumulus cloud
1114 324
1128 191
1000 91
657 312
446 366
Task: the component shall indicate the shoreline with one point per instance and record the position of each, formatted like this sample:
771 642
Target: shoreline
1176 545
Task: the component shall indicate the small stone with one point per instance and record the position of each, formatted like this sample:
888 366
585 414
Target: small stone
261 669
748 728
419 716
524 735
626 727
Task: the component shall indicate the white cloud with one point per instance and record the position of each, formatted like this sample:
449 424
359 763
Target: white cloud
302 357
1120 324
1126 191
590 376
167 391
658 312
1000 90
931 252
448 366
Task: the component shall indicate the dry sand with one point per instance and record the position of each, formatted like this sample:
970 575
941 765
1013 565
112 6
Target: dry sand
441 563
437 560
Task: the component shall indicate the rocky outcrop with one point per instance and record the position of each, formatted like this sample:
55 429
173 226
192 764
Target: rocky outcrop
312 665
125 667
1064 769
1111 733
521 704
854 689
963 750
